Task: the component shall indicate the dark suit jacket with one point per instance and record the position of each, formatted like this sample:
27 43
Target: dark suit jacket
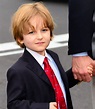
28 86
81 25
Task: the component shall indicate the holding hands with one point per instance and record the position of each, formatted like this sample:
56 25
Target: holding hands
83 68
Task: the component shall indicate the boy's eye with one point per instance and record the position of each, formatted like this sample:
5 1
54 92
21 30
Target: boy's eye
45 29
31 32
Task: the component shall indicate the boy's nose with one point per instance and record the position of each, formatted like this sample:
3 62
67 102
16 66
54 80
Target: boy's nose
39 35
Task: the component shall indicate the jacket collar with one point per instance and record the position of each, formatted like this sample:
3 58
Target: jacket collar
34 66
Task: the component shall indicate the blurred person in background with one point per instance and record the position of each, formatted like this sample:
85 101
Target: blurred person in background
81 30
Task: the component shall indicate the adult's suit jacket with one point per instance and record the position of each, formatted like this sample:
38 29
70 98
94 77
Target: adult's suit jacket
28 86
81 25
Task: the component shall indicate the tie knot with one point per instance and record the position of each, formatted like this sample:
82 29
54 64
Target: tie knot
46 63
45 60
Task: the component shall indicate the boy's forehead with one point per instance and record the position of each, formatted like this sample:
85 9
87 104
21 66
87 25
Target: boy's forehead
37 21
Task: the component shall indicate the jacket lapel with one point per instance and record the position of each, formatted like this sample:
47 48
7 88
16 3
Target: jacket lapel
35 67
61 70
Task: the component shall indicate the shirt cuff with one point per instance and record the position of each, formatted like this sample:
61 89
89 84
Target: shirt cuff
81 54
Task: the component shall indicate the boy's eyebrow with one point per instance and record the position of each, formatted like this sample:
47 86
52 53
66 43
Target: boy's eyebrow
31 27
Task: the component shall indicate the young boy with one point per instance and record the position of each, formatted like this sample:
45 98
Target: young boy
29 86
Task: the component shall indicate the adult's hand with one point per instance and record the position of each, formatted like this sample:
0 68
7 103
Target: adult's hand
80 68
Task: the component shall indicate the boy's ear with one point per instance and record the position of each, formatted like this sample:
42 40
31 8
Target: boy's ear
20 41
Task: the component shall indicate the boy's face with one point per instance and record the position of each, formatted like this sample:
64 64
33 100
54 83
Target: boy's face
38 37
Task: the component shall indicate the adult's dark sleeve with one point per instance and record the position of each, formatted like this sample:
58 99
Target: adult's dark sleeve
80 25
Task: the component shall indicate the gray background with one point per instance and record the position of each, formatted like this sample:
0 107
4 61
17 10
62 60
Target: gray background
82 93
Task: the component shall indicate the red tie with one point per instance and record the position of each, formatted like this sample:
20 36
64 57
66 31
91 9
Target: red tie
58 92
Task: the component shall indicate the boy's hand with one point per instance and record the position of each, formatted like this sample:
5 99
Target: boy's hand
52 105
93 64
90 70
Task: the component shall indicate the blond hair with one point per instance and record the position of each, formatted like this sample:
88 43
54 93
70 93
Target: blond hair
22 16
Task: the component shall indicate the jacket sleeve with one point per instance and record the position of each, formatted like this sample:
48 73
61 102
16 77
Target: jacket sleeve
16 93
72 82
80 25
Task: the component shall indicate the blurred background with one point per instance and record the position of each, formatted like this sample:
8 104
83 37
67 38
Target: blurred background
9 51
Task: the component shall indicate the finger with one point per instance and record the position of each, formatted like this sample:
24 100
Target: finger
75 76
90 66
84 77
90 69
91 74
79 77
86 74
88 77
74 70
55 104
78 74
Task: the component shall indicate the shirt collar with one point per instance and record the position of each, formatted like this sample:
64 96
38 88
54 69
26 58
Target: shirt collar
39 57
